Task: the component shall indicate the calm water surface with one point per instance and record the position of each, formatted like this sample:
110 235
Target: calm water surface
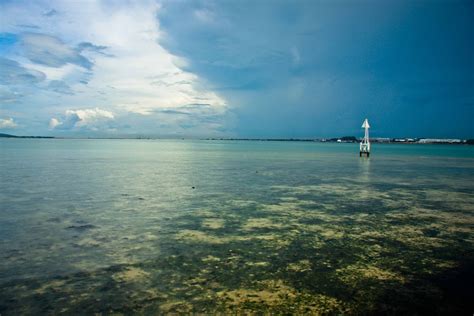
155 226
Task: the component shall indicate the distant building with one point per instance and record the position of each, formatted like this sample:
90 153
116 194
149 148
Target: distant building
439 141
380 139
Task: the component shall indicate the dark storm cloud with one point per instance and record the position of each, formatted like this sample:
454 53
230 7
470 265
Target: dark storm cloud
309 68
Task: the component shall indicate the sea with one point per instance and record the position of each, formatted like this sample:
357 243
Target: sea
150 227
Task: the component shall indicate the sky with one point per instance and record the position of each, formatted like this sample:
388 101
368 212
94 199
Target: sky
256 69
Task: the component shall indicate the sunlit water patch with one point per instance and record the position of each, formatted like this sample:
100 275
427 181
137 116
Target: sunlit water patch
150 227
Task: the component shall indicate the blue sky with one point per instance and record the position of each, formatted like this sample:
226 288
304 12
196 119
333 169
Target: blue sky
237 68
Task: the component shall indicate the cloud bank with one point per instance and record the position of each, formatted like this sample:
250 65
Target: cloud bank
85 57
85 119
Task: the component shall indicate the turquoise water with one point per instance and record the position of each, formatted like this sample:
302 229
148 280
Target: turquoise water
158 226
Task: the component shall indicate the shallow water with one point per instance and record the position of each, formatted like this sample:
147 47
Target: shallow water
155 226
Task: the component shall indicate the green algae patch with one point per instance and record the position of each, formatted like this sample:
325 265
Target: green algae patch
199 237
300 266
357 272
241 203
196 236
88 242
176 307
271 293
261 223
258 264
54 285
131 274
210 258
276 297
213 223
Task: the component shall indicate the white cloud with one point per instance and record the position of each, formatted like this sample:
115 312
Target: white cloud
131 35
7 123
89 115
91 119
53 123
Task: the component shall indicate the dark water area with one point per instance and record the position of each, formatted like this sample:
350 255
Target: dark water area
217 227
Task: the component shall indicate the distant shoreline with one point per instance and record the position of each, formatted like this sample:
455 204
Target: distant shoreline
357 140
2 135
346 139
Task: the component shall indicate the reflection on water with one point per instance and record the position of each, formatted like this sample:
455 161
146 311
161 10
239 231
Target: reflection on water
364 168
117 227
